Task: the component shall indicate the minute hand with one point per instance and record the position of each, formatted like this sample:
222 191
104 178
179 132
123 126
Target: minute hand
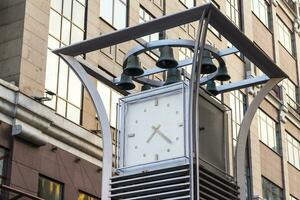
165 137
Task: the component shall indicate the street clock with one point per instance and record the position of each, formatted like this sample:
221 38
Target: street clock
153 130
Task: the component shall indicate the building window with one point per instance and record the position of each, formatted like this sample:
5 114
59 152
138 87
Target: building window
270 190
66 26
114 12
187 3
267 130
3 156
233 11
261 9
49 189
238 106
145 16
110 100
285 36
293 150
212 29
85 196
290 91
184 54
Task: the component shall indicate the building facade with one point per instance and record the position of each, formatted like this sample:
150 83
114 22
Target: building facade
50 142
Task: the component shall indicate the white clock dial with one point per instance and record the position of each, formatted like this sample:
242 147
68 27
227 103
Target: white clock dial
154 129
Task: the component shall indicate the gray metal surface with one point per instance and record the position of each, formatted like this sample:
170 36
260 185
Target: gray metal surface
244 132
193 102
218 20
103 121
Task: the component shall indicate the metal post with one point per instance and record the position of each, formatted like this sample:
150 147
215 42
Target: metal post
193 102
103 120
244 132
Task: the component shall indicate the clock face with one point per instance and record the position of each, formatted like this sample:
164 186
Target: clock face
154 129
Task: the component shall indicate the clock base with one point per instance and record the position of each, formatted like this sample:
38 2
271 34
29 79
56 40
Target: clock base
172 184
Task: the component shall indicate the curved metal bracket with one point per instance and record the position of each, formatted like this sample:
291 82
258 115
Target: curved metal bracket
244 132
103 121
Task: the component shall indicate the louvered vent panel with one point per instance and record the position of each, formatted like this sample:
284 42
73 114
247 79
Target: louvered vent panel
215 187
167 184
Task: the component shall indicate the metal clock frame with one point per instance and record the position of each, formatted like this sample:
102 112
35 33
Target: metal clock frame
205 14
149 94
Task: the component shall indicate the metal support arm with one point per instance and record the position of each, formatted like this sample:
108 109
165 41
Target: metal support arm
103 120
244 132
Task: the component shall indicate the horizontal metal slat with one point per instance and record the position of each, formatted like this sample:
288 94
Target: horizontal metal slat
156 183
213 193
151 177
151 191
220 190
130 176
162 195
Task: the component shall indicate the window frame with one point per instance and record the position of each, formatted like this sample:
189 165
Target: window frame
112 14
287 35
272 186
265 138
60 42
236 6
291 140
54 181
89 195
262 4
4 159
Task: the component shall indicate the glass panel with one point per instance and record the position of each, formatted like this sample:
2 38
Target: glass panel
2 152
56 4
67 8
66 29
54 24
61 107
78 14
83 196
73 113
106 10
75 89
63 79
51 72
77 34
52 43
49 190
104 93
120 15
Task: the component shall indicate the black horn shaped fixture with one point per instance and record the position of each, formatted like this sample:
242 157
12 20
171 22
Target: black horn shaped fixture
125 82
166 59
133 67
208 66
173 76
211 87
222 74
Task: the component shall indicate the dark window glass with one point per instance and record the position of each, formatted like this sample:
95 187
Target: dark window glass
85 196
49 189
3 155
270 190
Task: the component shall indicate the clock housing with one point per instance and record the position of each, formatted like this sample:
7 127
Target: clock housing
152 129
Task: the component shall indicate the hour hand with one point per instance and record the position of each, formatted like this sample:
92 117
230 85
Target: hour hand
155 129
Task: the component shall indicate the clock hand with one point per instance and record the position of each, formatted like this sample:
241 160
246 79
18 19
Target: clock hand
154 132
164 136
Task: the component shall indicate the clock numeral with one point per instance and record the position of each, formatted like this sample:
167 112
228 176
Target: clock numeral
156 102
180 124
156 156
131 135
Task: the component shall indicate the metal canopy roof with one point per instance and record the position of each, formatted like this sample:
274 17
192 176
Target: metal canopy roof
218 20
